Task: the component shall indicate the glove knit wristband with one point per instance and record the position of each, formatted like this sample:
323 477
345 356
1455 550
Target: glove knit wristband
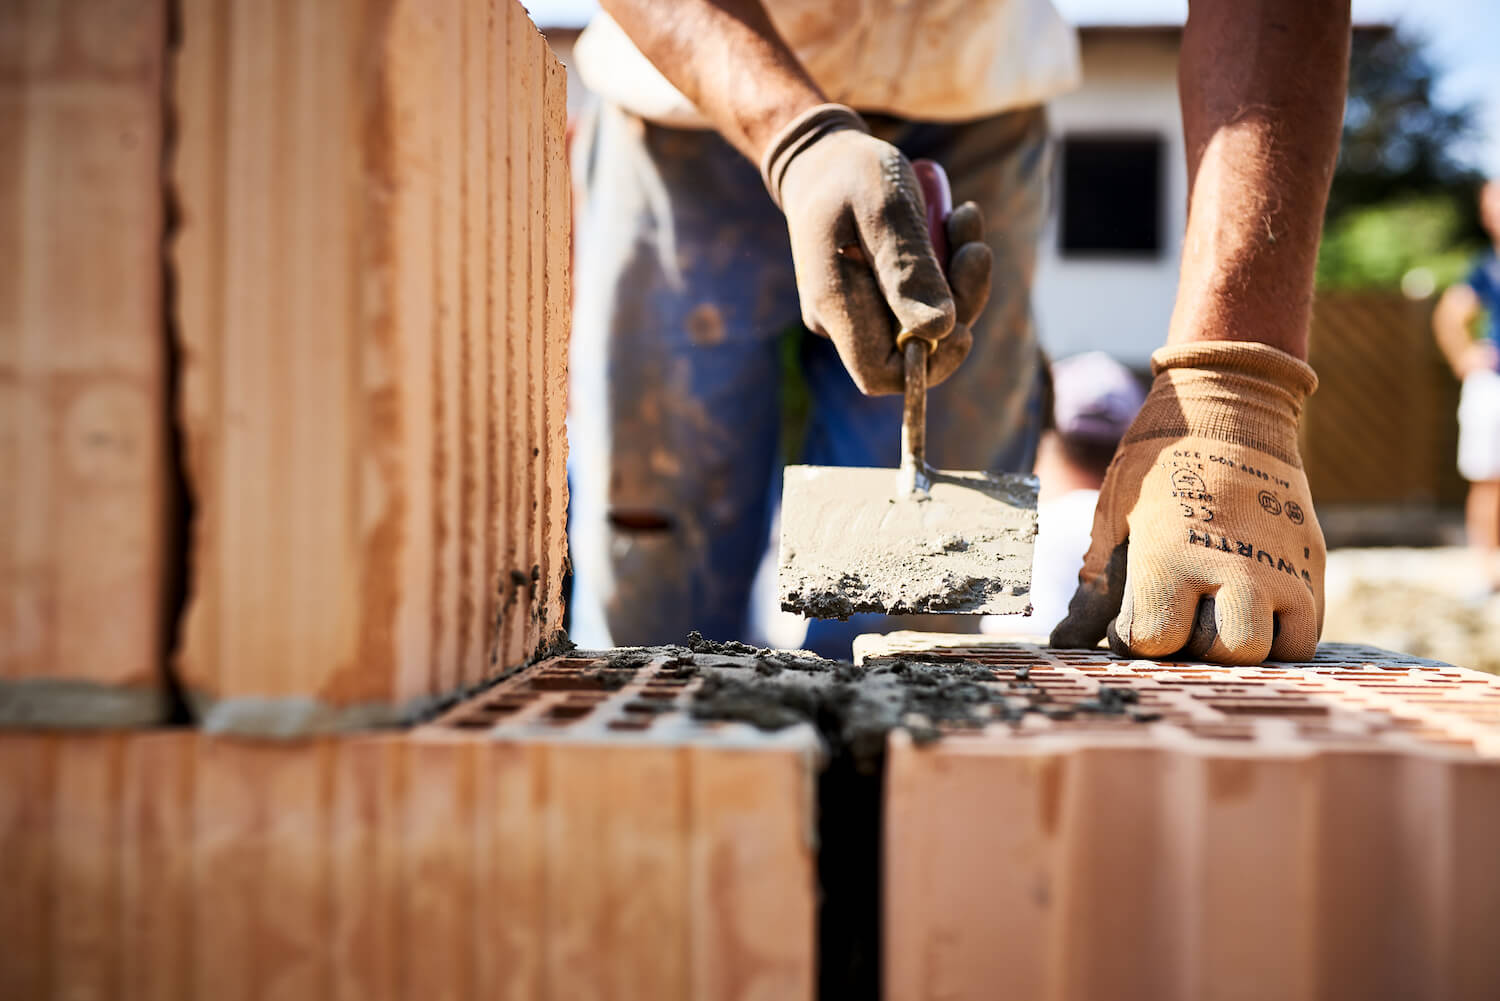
1234 391
800 133
1250 358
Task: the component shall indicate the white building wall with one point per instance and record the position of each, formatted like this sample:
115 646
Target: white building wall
1117 304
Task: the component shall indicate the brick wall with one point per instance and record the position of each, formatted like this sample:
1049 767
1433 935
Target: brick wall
83 361
325 246
535 843
373 274
1288 831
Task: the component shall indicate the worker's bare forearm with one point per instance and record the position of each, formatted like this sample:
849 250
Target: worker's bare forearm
727 58
1262 86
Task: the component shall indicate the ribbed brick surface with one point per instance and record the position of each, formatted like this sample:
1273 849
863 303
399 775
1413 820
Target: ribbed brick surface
373 276
1350 695
83 361
1286 831
553 857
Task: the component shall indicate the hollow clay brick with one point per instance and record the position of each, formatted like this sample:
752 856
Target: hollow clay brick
1288 831
516 853
373 245
83 362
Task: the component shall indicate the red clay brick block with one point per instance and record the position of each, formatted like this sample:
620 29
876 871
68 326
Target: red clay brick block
525 846
83 413
373 275
1288 831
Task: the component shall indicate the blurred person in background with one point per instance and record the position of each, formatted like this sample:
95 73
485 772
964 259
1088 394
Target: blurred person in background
751 157
1094 399
1467 307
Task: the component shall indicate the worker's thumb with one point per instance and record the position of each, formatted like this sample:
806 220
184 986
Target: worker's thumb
1096 602
1101 582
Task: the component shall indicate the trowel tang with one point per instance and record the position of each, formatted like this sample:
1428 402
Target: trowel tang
914 478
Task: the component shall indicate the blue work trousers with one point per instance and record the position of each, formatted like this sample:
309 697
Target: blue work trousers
684 296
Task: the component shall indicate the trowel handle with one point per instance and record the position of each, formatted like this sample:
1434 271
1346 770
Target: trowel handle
937 196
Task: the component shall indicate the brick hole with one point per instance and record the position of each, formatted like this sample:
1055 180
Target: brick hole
563 712
629 723
1445 739
1267 709
652 707
1222 731
547 681
1397 689
1096 724
1200 681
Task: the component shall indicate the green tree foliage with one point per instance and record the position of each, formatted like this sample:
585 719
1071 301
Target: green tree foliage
1401 197
1376 245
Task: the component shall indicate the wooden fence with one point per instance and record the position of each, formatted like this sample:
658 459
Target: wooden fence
1382 427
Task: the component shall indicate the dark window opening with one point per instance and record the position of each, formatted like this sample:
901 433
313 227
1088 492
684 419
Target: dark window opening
1111 195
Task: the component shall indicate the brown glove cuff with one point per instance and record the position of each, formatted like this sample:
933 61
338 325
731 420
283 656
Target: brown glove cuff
1247 358
800 133
1242 392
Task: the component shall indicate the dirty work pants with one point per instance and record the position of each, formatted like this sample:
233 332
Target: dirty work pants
684 297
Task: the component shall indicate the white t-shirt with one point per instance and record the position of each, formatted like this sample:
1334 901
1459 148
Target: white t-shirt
1064 526
927 60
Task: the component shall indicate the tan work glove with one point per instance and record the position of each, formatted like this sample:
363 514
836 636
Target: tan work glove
864 262
1205 544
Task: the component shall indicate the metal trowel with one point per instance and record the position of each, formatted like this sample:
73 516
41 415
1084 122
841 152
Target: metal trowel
913 539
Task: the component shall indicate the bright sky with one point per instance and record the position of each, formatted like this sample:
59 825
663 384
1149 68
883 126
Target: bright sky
1465 36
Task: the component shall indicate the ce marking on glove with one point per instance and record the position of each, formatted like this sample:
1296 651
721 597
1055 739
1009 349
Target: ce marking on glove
1189 486
1200 512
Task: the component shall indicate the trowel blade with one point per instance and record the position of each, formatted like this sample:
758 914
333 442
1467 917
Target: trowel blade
849 545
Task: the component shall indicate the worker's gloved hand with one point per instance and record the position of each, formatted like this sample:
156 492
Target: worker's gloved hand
864 261
1205 544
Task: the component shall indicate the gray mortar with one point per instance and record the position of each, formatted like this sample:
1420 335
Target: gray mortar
293 717
70 703
854 707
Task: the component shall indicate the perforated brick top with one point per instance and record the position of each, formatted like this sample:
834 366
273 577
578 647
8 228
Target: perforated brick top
1349 695
635 693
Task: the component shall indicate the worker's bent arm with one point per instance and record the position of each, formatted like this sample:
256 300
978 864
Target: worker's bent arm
1451 322
865 266
1262 86
727 58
